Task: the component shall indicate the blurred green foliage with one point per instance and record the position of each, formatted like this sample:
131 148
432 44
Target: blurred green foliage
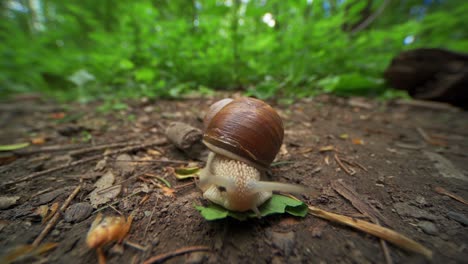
118 49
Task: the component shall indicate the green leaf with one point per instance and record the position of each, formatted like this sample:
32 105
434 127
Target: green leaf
13 146
278 204
185 173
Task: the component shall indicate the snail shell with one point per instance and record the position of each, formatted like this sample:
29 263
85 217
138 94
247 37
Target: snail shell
244 129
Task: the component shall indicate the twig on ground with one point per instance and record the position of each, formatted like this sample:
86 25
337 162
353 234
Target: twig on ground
82 161
135 245
430 139
346 169
386 251
181 186
56 148
353 197
157 161
101 147
56 217
40 192
116 202
115 209
354 163
442 191
149 221
175 253
373 229
428 104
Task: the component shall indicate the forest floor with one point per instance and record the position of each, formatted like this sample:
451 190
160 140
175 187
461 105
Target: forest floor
394 156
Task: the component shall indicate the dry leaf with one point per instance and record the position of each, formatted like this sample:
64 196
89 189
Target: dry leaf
58 115
8 201
42 211
144 199
50 212
327 148
104 191
344 136
358 141
168 191
108 229
154 152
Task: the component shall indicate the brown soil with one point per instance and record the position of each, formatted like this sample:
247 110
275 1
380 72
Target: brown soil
400 153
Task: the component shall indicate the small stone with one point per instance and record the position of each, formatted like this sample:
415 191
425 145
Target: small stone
428 227
147 213
124 164
8 201
421 200
155 241
101 165
55 233
461 218
404 209
283 241
78 212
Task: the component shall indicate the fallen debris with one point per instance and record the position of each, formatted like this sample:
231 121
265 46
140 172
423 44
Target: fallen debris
186 138
162 257
82 161
442 191
56 217
105 190
8 201
373 229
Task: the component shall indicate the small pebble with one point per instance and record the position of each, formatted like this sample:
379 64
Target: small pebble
78 212
8 201
421 200
155 241
428 227
283 241
461 218
55 233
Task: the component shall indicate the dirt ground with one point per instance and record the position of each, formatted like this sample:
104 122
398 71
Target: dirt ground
396 155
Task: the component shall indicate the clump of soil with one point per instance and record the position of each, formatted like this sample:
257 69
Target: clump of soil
396 156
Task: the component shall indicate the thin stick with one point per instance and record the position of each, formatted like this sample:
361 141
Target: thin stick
135 245
354 163
442 191
157 161
115 209
116 202
349 171
375 230
428 104
149 221
165 256
56 217
82 161
57 148
352 196
101 147
181 186
386 251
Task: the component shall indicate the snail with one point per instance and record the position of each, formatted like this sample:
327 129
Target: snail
243 136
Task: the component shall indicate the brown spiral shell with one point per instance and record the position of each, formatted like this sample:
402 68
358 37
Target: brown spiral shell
245 129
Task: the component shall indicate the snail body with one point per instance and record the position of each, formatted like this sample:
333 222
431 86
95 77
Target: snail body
244 135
